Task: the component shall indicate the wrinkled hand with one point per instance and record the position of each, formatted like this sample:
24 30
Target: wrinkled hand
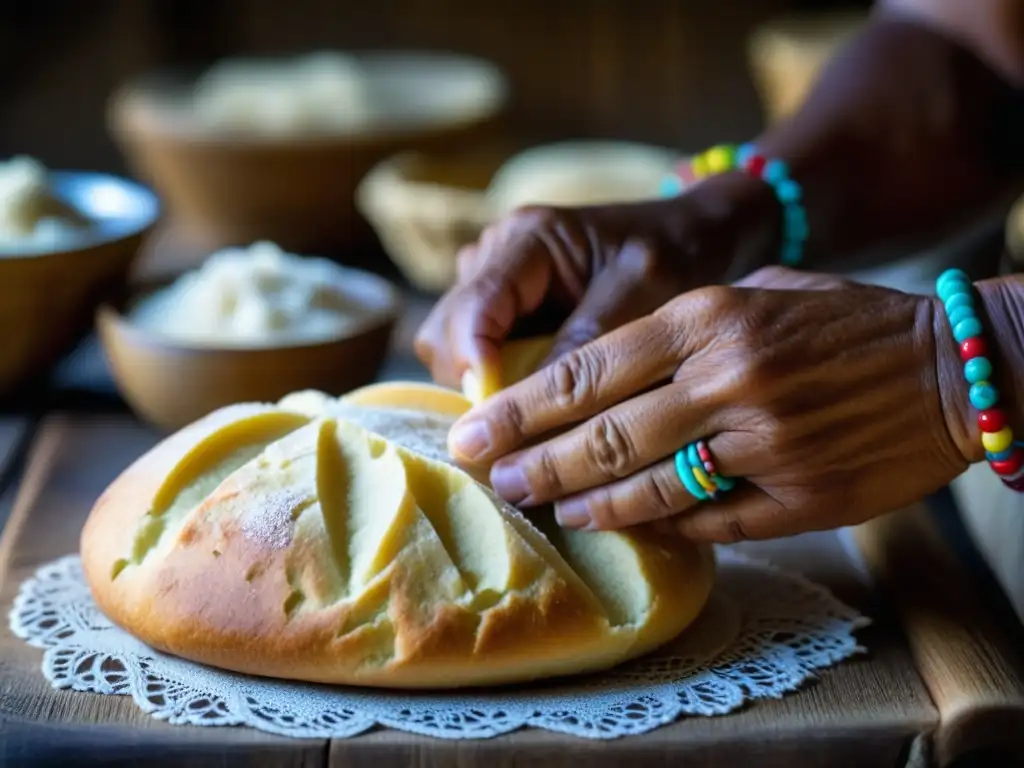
590 269
826 401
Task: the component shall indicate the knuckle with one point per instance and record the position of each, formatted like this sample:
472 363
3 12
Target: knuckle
749 374
572 380
660 494
609 511
722 527
610 448
511 417
718 300
778 439
756 374
544 477
732 529
603 512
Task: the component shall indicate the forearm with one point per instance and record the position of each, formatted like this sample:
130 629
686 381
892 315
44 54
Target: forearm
1001 309
900 140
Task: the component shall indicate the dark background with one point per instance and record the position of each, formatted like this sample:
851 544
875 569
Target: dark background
673 72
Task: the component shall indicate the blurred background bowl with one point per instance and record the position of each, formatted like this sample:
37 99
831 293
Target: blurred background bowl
426 206
298 190
48 298
171 383
580 173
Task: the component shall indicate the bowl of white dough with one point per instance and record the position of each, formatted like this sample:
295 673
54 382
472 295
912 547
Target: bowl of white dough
251 324
274 149
67 242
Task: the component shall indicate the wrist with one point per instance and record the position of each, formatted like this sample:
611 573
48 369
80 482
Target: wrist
732 225
1000 307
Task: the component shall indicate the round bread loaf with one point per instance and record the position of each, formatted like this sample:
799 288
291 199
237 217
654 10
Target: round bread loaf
332 541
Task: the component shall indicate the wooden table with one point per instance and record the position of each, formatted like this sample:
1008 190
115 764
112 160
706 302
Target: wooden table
942 677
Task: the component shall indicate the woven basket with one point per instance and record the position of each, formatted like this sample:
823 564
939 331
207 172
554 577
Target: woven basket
787 55
424 208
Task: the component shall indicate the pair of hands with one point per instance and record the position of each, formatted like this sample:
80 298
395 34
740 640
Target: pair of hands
830 400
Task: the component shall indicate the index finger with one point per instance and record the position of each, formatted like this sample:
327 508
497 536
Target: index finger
466 328
574 387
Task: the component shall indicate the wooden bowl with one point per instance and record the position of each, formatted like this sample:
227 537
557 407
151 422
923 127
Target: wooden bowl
298 190
47 299
426 206
171 383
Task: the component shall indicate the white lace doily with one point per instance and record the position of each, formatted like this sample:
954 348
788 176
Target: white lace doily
764 634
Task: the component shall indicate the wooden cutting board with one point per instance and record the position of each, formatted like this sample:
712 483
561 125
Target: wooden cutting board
874 710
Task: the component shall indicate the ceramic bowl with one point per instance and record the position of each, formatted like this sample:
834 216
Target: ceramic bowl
48 297
298 190
171 383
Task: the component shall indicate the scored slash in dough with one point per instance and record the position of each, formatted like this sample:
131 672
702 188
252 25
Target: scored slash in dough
333 542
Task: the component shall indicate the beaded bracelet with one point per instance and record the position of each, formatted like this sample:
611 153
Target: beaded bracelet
775 173
1004 454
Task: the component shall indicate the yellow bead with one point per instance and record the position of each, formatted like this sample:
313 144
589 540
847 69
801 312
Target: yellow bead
700 166
719 159
996 442
704 480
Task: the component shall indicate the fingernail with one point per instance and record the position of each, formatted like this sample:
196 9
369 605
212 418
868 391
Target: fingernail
470 439
509 482
572 513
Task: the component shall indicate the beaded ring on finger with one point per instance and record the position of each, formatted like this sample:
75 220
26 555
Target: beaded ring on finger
696 469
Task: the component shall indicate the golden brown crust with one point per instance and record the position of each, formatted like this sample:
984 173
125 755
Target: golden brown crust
266 572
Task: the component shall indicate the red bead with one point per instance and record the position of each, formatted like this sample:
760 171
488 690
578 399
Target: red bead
1008 466
991 420
703 452
755 165
972 348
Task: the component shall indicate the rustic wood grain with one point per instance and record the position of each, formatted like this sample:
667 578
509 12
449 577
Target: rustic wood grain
867 712
975 674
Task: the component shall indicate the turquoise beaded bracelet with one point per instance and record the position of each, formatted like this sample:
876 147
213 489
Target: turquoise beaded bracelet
774 172
1003 453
